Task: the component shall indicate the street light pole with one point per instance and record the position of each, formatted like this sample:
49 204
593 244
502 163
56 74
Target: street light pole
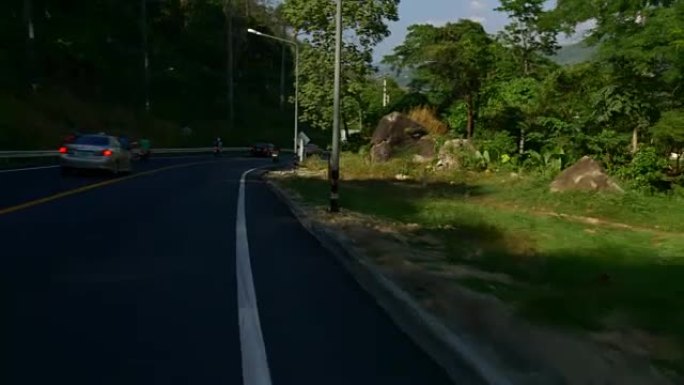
146 57
335 155
296 106
296 91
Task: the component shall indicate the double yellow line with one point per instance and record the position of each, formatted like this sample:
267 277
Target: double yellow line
51 198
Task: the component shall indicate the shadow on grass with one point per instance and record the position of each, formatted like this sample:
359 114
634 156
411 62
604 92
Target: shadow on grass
394 200
624 289
566 274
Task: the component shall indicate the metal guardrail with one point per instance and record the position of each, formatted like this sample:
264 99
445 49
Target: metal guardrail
160 151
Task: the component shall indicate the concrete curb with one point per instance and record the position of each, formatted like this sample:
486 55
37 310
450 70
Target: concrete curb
451 351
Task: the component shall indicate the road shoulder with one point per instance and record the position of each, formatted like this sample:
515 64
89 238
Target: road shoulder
478 331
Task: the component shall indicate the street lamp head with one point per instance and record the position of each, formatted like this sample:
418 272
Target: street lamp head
250 30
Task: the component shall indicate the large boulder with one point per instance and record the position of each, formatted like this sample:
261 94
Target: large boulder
396 129
423 149
585 175
381 152
397 135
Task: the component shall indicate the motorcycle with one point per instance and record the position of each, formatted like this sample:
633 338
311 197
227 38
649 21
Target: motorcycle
144 155
217 151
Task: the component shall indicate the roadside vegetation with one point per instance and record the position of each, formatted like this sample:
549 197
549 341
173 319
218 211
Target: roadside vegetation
615 266
608 265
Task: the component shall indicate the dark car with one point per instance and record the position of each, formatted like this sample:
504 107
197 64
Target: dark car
264 150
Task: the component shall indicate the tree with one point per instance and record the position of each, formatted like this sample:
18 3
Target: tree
531 33
668 132
640 48
92 51
451 62
365 25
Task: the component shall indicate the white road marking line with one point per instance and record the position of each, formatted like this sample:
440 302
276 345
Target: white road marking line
27 169
255 369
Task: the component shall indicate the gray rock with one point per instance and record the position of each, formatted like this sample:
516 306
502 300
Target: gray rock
585 175
397 135
448 154
381 152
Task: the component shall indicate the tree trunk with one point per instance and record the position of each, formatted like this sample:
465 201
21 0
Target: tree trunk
521 142
635 139
471 117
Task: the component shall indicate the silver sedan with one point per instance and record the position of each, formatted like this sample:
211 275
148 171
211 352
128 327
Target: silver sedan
95 152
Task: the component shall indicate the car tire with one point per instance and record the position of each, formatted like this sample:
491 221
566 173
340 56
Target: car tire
116 170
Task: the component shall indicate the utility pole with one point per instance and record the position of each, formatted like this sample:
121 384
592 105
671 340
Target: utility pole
282 79
296 69
145 51
230 84
335 155
30 44
385 96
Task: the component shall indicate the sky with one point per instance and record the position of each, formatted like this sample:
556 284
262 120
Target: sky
439 12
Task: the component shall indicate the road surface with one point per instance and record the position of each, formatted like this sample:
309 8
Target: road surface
149 280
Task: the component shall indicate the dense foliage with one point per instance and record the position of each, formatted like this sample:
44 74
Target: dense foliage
623 106
91 53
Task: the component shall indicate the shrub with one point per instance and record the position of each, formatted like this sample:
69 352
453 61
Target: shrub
354 142
497 144
645 171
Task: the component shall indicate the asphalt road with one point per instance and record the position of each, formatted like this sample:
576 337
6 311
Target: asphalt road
134 281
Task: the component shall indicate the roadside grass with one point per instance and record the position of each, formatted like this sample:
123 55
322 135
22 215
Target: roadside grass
526 193
664 212
569 274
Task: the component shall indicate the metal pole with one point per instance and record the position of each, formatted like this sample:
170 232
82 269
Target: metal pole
30 44
296 106
335 156
230 84
146 59
282 78
384 92
296 90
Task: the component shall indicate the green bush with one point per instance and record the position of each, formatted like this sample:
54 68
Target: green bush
646 170
354 143
497 144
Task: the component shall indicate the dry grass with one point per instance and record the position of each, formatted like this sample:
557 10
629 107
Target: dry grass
427 117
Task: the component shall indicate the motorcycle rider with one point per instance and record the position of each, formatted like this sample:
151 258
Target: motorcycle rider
218 145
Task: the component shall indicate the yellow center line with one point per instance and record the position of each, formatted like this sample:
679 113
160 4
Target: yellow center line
64 194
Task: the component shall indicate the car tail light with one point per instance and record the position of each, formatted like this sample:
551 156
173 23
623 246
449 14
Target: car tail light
107 152
62 150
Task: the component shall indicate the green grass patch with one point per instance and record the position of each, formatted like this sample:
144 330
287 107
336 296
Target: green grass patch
571 274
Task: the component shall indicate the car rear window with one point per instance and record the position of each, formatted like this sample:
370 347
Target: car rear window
92 140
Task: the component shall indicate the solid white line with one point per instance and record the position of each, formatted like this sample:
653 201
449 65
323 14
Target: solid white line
255 369
27 169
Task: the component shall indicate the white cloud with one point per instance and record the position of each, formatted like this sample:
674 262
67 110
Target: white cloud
582 30
436 23
478 19
477 4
